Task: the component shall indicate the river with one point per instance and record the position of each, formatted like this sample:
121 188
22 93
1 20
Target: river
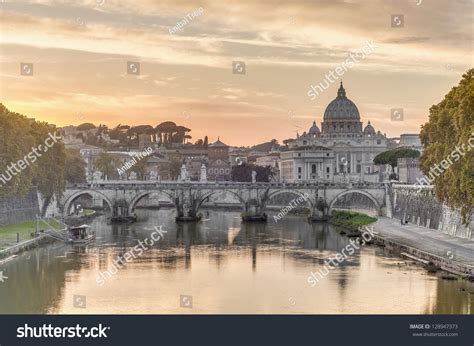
221 266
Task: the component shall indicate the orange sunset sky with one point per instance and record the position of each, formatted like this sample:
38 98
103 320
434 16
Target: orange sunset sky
79 50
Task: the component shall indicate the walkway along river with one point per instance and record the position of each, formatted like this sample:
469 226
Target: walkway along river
221 265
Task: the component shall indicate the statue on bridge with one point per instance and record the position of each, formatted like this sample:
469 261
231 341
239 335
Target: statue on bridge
203 177
183 176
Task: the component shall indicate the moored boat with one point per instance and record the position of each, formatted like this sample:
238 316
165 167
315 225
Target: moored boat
80 235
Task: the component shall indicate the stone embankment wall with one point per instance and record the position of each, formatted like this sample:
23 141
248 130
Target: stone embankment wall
18 209
420 206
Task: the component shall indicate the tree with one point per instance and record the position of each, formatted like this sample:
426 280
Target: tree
107 164
15 141
180 135
206 143
166 130
140 167
447 137
22 144
119 134
49 169
86 127
75 167
243 173
390 157
267 146
174 168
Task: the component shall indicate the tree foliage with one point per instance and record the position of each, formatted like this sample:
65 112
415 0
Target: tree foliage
267 146
75 167
108 165
390 157
86 127
44 167
174 168
244 173
140 167
451 127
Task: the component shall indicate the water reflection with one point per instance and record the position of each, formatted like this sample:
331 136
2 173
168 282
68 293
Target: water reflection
227 267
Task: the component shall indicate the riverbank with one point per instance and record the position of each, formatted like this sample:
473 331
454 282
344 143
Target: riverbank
350 222
445 252
13 234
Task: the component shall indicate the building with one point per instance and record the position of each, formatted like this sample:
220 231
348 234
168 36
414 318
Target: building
145 141
238 156
342 150
411 141
219 167
272 159
409 170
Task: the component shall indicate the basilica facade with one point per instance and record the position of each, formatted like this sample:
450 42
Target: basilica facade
342 150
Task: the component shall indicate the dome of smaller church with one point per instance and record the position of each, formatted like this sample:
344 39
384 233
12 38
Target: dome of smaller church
369 130
314 130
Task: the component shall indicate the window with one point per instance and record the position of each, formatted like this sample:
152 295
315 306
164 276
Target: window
313 169
358 168
299 176
299 169
327 169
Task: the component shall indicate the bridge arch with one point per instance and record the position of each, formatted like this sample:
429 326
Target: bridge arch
93 194
293 192
208 194
133 203
377 205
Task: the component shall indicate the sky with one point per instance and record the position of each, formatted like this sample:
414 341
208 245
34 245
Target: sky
80 52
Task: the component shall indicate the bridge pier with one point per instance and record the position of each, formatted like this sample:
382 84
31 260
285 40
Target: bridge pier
254 211
187 205
319 211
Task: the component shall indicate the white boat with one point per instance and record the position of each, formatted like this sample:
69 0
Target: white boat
80 235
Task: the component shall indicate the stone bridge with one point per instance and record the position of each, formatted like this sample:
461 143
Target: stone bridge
122 197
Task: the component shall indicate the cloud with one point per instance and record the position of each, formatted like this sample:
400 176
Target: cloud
80 48
405 40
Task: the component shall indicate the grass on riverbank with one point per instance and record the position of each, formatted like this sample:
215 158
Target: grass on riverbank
8 233
350 220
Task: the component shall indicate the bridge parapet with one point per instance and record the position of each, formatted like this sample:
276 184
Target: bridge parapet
174 184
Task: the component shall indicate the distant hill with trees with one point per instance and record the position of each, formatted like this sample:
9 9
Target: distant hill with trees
267 146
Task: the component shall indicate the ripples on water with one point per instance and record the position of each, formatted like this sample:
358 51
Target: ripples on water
227 267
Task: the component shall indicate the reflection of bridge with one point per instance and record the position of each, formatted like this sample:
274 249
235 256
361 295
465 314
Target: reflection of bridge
123 196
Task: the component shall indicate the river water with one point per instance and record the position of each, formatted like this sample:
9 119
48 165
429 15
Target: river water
222 266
